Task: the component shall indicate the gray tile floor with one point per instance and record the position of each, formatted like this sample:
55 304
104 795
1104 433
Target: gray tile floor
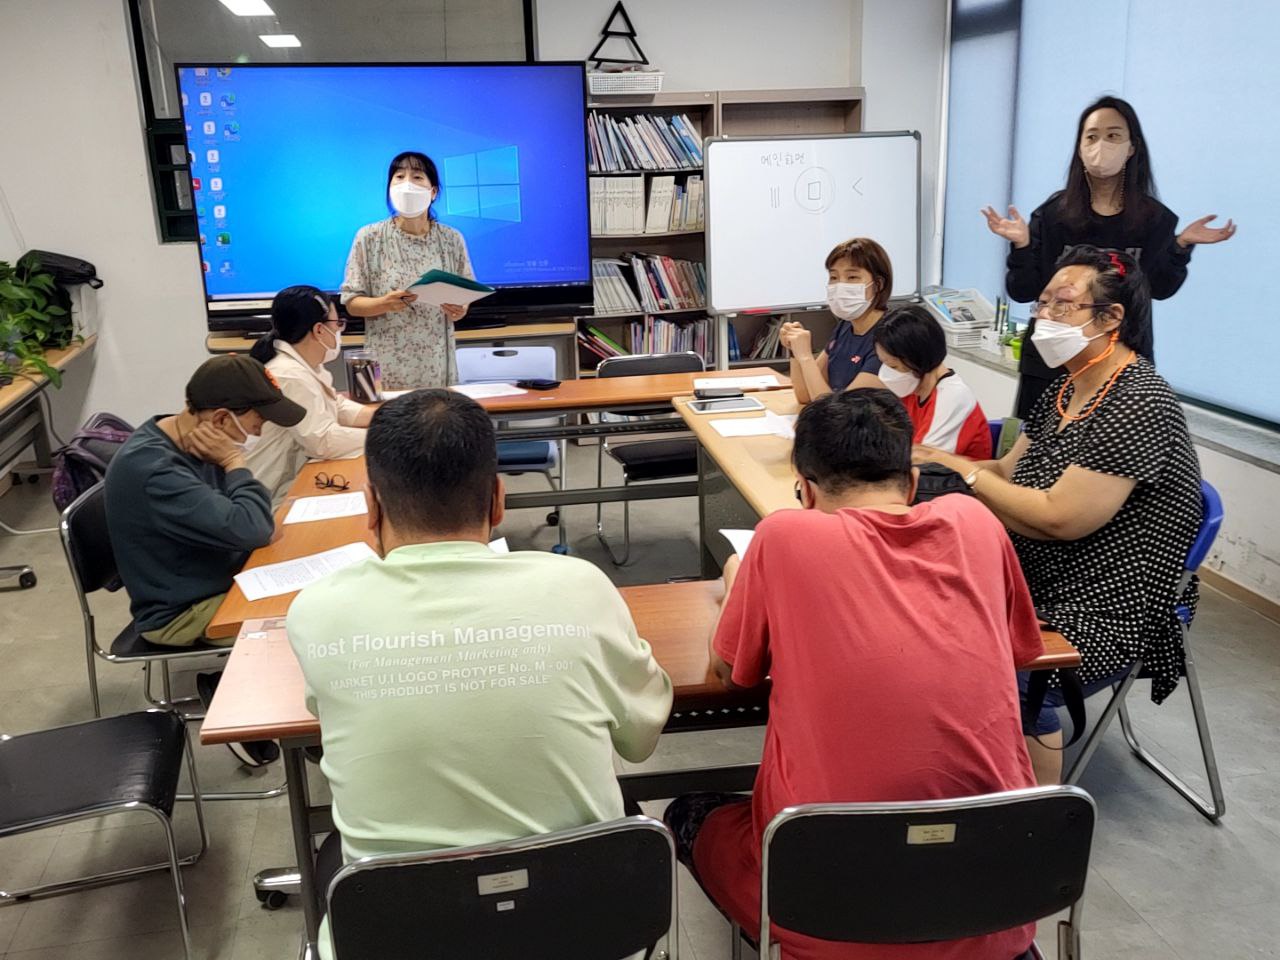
1164 883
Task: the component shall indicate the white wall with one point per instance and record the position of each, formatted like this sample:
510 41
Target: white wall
903 51
717 44
75 172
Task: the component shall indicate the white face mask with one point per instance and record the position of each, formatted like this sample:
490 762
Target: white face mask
1104 158
250 440
1059 342
900 383
848 301
411 199
331 353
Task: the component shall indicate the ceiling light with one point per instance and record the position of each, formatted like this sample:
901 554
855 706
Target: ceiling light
248 8
279 39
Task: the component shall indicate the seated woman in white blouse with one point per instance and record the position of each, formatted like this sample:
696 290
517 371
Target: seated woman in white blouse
305 334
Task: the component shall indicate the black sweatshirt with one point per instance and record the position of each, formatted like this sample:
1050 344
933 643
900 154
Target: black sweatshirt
1153 244
180 528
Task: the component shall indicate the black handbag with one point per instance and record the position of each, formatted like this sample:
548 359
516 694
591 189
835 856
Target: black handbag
937 480
67 271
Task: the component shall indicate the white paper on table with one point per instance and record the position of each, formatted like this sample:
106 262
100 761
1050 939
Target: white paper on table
739 540
499 545
763 382
439 293
306 509
770 425
482 391
394 394
287 576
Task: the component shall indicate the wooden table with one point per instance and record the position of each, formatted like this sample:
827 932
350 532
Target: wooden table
21 421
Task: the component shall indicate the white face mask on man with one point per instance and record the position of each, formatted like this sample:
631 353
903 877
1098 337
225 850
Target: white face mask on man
900 383
411 199
1059 342
250 440
848 301
1104 158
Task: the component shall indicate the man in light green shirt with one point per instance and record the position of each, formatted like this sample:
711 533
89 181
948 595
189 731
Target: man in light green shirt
466 696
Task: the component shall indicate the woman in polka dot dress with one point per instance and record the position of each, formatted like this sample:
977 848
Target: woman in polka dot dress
1101 493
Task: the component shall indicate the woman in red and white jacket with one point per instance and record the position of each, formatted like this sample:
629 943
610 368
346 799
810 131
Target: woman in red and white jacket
943 409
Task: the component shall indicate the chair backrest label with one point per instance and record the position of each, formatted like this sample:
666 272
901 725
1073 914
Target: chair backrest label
931 833
490 883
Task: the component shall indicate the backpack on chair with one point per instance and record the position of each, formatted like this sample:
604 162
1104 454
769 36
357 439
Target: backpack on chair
82 463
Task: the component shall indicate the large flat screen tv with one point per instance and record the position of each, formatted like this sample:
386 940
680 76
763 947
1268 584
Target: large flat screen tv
288 161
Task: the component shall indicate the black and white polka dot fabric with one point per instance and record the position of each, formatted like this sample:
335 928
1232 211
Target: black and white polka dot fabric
1114 592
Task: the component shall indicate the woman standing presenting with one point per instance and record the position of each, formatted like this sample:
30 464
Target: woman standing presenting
1110 202
413 342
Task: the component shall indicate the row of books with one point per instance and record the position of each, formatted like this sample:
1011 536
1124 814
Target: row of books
652 335
618 205
767 344
643 142
648 283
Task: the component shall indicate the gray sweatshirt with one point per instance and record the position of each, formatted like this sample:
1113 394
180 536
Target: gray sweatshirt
180 528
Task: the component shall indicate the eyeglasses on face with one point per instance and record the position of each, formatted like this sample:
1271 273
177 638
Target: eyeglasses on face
1057 309
336 482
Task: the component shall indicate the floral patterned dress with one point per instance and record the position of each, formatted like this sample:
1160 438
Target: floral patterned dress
415 346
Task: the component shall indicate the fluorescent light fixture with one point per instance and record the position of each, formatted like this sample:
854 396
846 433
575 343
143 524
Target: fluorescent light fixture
279 39
248 8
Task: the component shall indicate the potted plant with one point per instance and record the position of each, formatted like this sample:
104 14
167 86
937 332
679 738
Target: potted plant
31 320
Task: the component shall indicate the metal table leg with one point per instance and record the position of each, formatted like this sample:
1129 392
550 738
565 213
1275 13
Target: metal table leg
295 765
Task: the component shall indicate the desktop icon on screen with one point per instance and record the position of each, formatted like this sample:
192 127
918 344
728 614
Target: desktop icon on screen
195 183
211 156
231 130
205 265
227 100
209 128
206 99
225 268
219 212
202 72
224 72
215 184
185 100
223 239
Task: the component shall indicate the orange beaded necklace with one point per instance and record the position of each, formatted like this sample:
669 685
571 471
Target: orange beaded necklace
1075 417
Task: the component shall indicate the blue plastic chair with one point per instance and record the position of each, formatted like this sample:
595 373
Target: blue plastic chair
1216 805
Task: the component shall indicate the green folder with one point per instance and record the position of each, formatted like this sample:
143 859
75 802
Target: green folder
444 276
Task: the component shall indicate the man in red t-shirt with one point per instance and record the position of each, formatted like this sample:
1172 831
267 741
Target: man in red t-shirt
890 634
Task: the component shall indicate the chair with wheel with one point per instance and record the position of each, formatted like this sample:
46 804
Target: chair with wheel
899 873
642 460
502 364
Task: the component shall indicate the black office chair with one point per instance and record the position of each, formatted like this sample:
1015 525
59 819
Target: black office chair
920 872
645 459
603 890
119 764
86 541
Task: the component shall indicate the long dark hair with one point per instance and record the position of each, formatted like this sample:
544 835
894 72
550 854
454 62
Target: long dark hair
1075 203
294 311
413 160
1120 280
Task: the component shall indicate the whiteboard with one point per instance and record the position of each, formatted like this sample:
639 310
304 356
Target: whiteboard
777 205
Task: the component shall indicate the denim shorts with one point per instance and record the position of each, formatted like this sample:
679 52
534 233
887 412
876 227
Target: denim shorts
1048 720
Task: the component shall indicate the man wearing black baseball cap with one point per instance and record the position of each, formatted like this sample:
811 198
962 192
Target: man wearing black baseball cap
183 509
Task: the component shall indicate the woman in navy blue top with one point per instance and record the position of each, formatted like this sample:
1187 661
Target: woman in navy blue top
859 281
